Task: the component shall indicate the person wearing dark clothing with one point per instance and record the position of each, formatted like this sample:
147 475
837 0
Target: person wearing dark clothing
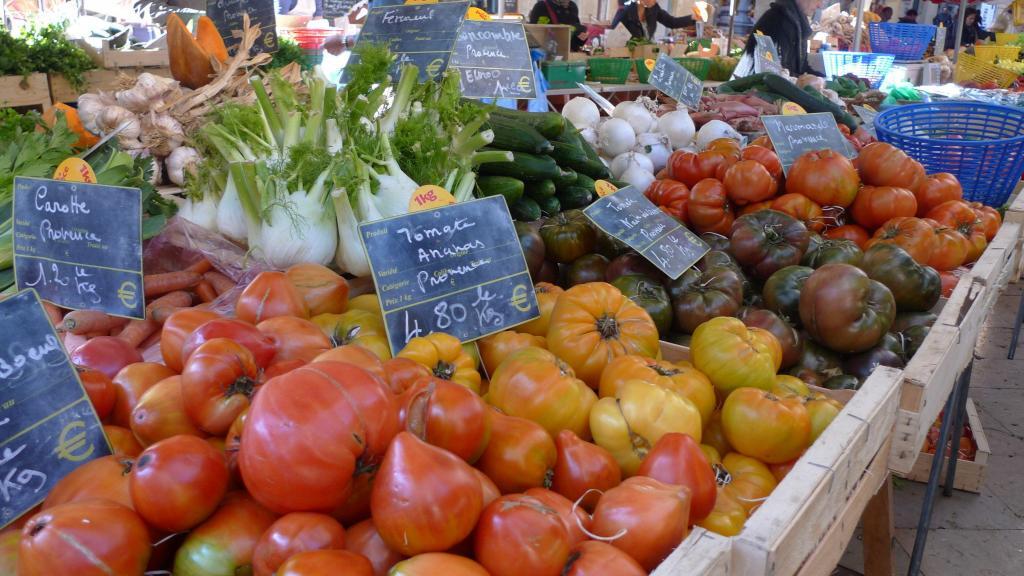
786 21
910 17
973 32
560 12
886 14
643 16
945 17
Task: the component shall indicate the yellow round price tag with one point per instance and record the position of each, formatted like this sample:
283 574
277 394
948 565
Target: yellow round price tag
869 107
75 170
474 13
792 109
649 63
429 197
604 188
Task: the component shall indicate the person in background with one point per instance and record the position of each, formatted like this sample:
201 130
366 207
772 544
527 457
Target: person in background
642 17
886 14
561 12
786 21
619 13
910 17
945 17
973 32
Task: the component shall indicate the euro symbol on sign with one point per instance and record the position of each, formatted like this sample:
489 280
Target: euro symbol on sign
524 83
71 443
519 299
128 293
434 68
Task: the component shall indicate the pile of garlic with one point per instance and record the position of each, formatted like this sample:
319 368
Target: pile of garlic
148 130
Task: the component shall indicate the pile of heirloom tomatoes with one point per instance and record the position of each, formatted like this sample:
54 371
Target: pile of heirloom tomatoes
286 440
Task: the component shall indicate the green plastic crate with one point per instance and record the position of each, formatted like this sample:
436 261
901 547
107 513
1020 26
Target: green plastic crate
564 74
610 70
699 67
642 73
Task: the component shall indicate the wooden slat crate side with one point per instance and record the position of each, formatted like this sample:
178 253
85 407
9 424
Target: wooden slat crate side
831 547
997 263
784 531
96 81
18 91
702 553
970 474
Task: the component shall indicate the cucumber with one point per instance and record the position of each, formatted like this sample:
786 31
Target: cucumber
525 210
574 197
570 156
549 206
538 189
788 90
584 181
572 136
566 178
516 136
743 84
549 124
524 167
510 188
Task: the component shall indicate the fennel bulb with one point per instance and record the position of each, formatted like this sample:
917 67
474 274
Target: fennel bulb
350 256
202 213
230 217
298 230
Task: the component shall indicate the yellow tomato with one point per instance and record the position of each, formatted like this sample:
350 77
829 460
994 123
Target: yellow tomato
443 355
762 425
735 356
358 327
679 377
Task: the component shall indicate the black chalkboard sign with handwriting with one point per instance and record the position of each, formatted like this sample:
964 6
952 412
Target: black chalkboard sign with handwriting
675 81
80 245
458 269
793 136
47 424
629 216
420 34
337 8
227 15
766 56
493 60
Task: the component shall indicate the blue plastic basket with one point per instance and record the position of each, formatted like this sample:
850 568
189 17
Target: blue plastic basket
906 42
982 144
867 65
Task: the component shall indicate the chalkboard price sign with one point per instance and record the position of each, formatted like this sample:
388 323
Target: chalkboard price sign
766 56
337 8
629 216
47 425
227 15
420 34
793 136
493 60
80 245
867 115
458 269
676 81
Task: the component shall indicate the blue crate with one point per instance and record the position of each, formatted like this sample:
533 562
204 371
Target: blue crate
982 144
870 66
907 42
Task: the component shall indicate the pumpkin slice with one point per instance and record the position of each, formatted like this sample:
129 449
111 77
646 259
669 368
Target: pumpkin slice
190 64
210 40
86 139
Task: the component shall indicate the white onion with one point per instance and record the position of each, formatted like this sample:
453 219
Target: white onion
655 147
636 114
615 137
638 177
679 128
589 135
714 130
581 112
626 160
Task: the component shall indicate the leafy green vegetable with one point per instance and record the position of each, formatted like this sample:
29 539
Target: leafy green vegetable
288 51
11 122
43 49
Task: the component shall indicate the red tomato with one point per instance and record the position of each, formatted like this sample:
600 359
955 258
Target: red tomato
876 205
355 354
299 450
651 515
883 164
489 488
92 538
363 538
108 354
824 176
851 232
690 168
104 478
10 539
261 345
446 415
295 338
575 518
357 506
130 384
177 483
322 289
520 454
593 558
802 208
951 247
989 219
424 499
765 157
949 282
518 534
269 295
225 543
671 196
326 563
436 564
935 190
232 442
160 413
176 329
912 234
401 373
581 466
100 389
709 209
217 383
677 459
748 181
279 368
122 441
294 533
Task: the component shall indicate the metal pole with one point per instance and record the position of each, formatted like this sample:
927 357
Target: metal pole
959 31
859 26
732 20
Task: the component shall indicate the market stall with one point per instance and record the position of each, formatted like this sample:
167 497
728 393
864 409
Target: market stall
275 324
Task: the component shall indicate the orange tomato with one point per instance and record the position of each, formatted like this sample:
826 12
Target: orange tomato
496 347
988 219
951 248
680 377
709 209
851 232
912 234
748 181
802 208
876 205
761 425
764 156
936 189
547 294
443 355
270 295
322 289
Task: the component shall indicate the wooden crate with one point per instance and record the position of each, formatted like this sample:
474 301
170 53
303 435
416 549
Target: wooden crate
21 91
969 473
824 493
1015 214
95 81
930 375
106 57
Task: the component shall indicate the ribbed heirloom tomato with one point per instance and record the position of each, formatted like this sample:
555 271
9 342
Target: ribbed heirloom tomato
709 209
323 291
547 295
733 355
217 383
177 328
671 196
765 157
802 208
748 181
882 164
876 205
936 189
270 295
680 377
764 426
912 234
443 355
261 345
294 533
518 534
294 338
496 347
824 176
446 415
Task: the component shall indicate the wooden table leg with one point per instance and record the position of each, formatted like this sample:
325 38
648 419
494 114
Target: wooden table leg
878 532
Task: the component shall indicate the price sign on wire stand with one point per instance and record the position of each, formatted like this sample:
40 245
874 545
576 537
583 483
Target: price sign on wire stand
457 269
80 245
793 136
766 56
47 424
675 81
493 60
227 16
629 216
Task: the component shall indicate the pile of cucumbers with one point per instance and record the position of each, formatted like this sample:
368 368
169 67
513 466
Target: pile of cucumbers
772 88
553 168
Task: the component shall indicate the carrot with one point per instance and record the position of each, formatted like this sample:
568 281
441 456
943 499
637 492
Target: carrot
175 300
157 284
206 292
95 334
138 330
220 282
85 321
153 339
162 313
53 312
201 267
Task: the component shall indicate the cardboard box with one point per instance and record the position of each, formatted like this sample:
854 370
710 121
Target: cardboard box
543 35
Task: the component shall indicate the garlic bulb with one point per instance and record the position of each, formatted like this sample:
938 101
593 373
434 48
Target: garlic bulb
181 160
113 116
147 94
90 106
161 134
